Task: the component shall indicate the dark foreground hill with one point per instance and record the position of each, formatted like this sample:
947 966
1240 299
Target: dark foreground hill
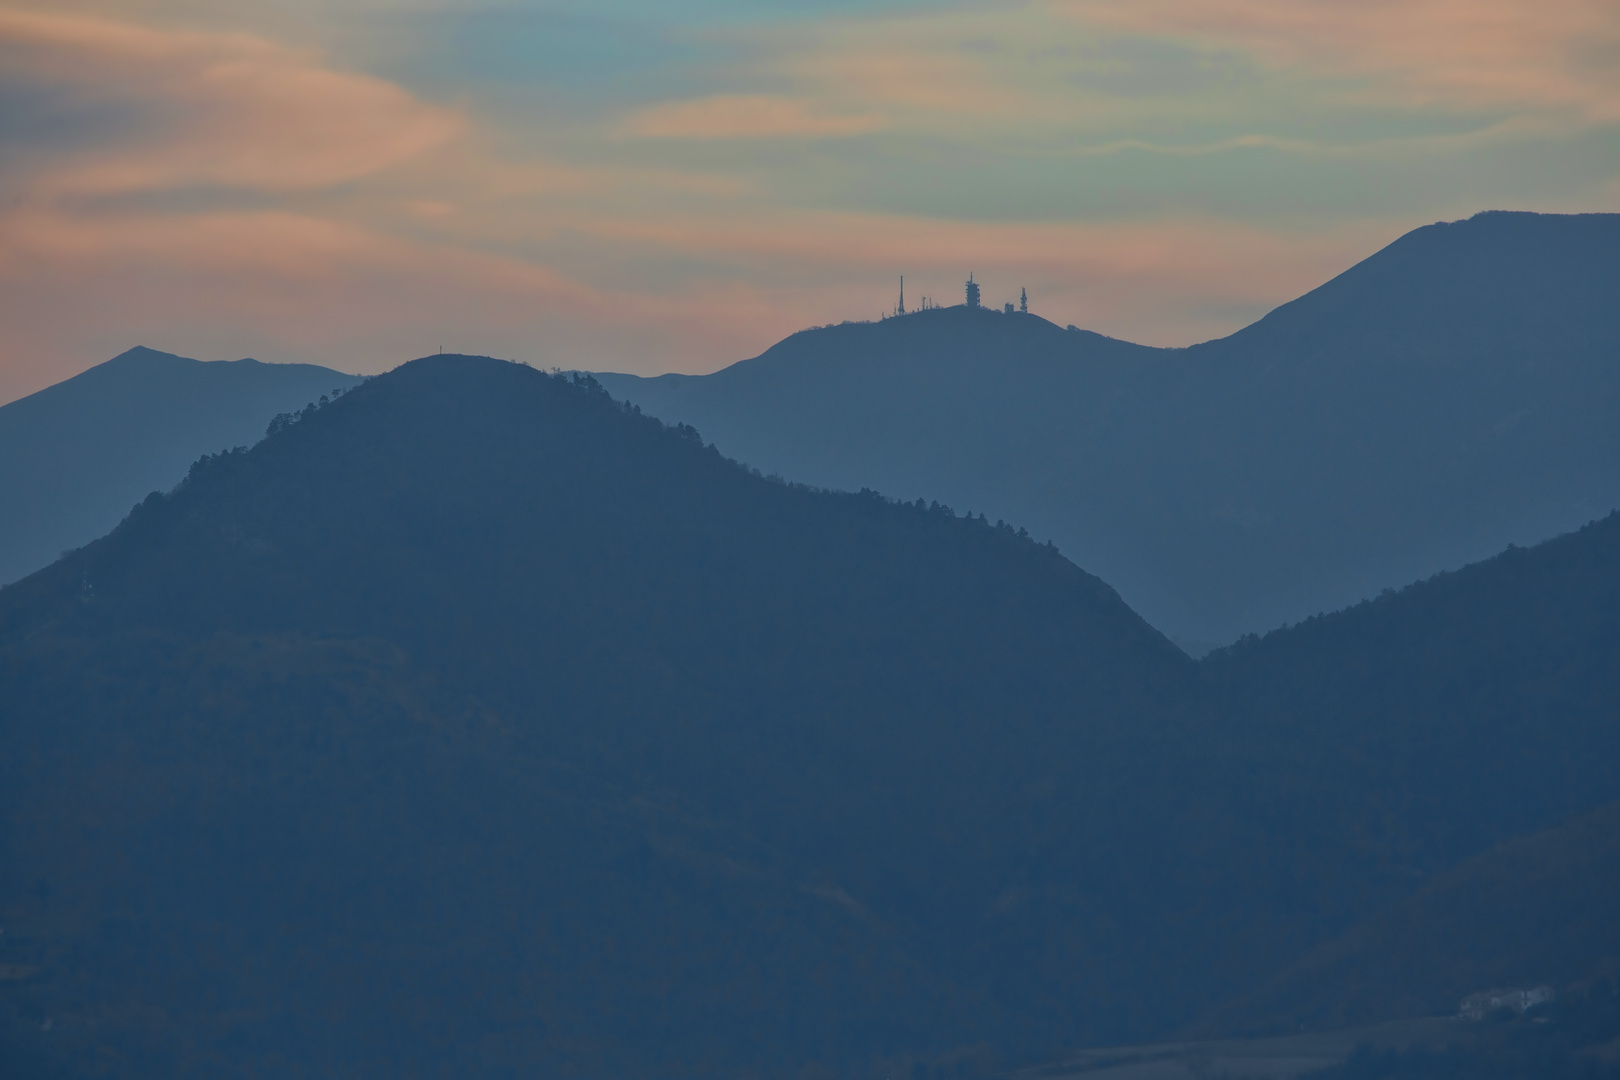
1480 704
1382 745
474 725
1537 910
76 456
1455 392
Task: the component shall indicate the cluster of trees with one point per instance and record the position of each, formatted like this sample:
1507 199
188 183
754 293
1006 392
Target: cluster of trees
284 420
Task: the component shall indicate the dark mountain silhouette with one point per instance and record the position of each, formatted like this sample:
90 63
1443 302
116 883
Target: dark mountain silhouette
1535 912
1431 747
1495 688
76 456
1453 393
474 724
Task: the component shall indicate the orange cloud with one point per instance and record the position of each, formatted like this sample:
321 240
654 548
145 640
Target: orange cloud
395 226
285 286
230 110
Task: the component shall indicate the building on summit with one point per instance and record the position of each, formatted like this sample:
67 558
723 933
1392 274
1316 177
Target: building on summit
974 298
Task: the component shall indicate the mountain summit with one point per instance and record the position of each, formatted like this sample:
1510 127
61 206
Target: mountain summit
1455 392
76 456
474 720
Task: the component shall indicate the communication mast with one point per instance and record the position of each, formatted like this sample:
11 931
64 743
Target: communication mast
1023 301
901 309
972 292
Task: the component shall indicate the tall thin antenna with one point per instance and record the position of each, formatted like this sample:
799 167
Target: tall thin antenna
901 310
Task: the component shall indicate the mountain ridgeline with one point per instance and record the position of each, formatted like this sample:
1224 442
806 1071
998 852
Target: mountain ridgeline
1453 393
75 456
476 724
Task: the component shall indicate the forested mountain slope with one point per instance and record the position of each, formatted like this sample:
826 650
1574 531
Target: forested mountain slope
473 724
1536 910
1455 392
76 456
1474 706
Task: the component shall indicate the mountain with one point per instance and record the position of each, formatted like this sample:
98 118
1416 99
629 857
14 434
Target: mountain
76 456
1453 393
1431 723
1536 910
1429 759
475 724
471 724
1376 748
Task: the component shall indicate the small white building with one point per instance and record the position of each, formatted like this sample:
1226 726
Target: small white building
1479 1006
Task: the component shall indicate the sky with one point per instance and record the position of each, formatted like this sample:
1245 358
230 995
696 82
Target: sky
648 187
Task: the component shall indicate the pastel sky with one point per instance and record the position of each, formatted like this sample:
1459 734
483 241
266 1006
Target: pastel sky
638 186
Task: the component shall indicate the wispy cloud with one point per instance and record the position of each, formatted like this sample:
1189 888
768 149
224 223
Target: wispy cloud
202 176
747 116
1470 54
1071 76
215 109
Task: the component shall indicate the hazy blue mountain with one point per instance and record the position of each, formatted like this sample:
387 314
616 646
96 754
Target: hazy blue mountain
76 456
474 724
1453 393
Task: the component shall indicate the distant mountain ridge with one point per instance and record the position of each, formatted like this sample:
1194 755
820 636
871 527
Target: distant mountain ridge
76 456
1454 392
